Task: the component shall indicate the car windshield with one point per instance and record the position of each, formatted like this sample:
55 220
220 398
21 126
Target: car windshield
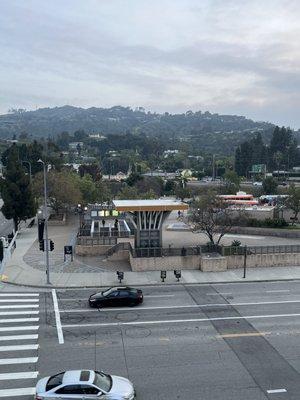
103 381
54 381
108 292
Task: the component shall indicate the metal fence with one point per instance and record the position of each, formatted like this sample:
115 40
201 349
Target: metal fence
175 251
96 241
240 250
103 233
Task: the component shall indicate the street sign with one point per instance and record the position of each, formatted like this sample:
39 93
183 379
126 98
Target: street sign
259 168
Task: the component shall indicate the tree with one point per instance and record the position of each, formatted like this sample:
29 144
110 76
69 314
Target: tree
212 216
232 181
182 193
293 201
270 185
92 169
62 187
128 193
18 200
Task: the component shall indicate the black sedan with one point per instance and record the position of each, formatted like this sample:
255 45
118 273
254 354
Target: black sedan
116 297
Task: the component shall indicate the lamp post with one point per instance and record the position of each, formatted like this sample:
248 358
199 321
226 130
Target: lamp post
46 221
29 163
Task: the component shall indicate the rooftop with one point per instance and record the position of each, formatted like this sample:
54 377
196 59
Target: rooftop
149 205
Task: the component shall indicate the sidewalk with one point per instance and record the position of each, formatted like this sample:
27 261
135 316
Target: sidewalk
78 274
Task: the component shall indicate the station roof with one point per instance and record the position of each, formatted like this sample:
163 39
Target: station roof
149 205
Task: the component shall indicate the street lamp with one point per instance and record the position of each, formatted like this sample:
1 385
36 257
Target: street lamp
29 163
46 221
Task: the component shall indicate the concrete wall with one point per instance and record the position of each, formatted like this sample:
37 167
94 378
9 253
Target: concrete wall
264 260
164 263
96 250
121 255
213 264
285 233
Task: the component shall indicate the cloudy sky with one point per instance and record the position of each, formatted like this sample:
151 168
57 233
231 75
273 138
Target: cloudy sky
225 56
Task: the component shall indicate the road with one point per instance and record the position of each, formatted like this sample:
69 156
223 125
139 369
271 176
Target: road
216 342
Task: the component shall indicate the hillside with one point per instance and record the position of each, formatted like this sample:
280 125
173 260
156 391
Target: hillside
213 130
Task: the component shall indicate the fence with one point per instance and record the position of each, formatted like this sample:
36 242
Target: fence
240 250
96 241
175 251
103 233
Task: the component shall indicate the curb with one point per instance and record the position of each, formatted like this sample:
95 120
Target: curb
151 284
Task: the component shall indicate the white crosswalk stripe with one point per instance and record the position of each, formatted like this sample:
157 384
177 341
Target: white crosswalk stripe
19 325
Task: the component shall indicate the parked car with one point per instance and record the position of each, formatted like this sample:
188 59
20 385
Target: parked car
84 384
257 183
116 297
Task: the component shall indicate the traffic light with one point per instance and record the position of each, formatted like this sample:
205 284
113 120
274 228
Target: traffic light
42 245
51 245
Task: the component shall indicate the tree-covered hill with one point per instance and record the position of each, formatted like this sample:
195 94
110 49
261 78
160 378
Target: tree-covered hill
213 132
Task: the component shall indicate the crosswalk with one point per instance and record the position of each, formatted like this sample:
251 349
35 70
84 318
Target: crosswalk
19 326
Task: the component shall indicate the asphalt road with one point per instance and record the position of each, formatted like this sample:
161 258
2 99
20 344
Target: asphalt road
213 342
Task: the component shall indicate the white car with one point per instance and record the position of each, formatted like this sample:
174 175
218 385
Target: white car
257 184
84 384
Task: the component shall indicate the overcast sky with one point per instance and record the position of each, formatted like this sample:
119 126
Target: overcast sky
225 56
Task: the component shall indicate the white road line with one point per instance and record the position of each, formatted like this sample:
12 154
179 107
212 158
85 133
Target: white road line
4 321
57 318
2 313
277 391
19 300
19 294
217 294
17 392
176 321
78 310
18 337
19 328
8 307
25 360
19 375
19 347
278 291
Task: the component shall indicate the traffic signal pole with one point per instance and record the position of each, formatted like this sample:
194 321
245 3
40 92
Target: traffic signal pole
46 226
46 223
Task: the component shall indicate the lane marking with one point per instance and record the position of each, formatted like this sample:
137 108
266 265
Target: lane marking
19 300
19 312
245 334
4 321
19 294
19 375
278 291
19 337
57 318
19 328
20 347
8 307
276 391
173 321
25 360
75 310
217 294
17 392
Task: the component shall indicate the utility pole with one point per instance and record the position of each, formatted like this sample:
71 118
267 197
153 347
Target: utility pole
46 223
213 167
245 261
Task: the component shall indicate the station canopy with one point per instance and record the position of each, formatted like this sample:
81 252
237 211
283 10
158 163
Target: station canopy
149 205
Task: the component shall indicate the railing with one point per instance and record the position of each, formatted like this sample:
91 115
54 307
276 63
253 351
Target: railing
175 251
119 247
103 233
240 250
96 241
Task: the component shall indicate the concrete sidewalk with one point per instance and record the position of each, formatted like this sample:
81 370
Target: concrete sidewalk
19 272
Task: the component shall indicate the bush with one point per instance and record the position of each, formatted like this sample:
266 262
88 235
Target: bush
267 223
